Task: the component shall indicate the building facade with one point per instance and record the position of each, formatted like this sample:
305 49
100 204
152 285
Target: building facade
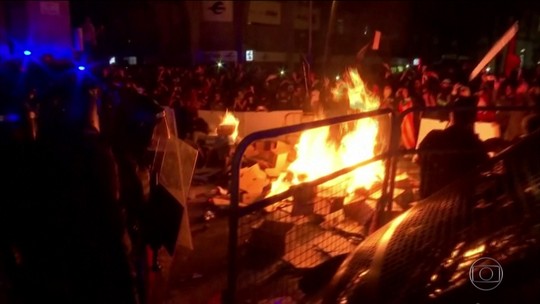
265 31
528 43
37 27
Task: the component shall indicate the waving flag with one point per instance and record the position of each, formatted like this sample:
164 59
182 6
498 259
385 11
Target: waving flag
497 47
512 60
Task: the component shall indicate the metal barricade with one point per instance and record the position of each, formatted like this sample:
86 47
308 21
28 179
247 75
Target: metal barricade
249 282
295 118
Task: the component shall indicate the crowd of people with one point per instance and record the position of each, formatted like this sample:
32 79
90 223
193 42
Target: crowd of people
239 87
252 87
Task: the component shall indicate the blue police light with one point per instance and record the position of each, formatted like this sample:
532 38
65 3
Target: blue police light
10 117
27 53
81 68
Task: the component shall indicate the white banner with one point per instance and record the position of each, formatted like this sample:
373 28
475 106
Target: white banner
217 11
225 56
301 22
484 130
264 12
249 121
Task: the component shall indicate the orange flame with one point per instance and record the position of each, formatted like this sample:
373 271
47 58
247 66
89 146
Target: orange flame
230 120
325 150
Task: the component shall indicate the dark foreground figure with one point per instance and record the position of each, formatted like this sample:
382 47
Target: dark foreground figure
64 228
62 231
428 254
446 155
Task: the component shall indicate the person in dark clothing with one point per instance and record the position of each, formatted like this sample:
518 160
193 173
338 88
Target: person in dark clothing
531 123
445 155
66 229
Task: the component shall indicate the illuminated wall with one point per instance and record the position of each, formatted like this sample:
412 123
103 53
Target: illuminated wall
43 27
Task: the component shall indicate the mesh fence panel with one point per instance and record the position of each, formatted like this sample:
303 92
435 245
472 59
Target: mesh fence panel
317 222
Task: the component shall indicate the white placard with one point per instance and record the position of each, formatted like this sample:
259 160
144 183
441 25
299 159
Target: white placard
485 130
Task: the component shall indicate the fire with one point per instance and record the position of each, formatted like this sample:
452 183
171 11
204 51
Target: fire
325 150
229 121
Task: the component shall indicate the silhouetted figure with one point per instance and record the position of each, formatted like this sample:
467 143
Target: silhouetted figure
445 155
531 123
66 233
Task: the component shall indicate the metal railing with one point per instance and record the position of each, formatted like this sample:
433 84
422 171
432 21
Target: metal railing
391 157
294 118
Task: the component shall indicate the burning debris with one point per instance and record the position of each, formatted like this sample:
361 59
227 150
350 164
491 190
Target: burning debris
216 149
229 127
271 155
253 182
325 150
274 166
325 220
266 159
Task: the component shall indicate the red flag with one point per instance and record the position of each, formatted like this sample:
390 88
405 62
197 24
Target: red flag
512 60
376 40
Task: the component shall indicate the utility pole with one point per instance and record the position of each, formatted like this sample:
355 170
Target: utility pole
310 32
238 23
329 33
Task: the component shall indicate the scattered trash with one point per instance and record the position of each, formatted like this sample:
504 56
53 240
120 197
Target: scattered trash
209 215
222 191
253 182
